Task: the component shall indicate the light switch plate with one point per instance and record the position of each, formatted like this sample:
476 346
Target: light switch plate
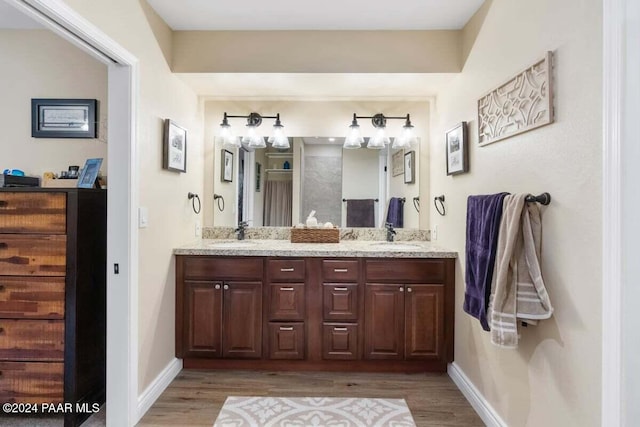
143 217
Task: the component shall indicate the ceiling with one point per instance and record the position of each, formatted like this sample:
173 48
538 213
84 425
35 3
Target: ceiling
12 19
316 15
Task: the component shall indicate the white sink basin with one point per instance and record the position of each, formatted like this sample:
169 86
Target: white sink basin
395 246
231 244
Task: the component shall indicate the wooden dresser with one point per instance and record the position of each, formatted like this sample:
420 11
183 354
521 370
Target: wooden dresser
53 297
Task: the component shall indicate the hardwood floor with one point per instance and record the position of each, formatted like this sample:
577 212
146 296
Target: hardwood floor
195 397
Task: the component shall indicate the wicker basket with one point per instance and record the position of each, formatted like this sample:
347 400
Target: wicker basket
315 235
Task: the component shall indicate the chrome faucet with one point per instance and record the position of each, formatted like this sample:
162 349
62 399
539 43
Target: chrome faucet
390 231
242 226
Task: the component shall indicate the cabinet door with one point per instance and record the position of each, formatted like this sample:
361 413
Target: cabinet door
384 318
242 324
203 319
424 321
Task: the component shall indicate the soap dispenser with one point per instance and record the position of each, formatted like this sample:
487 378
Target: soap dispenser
286 165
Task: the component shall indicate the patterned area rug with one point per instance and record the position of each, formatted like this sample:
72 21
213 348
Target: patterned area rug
313 411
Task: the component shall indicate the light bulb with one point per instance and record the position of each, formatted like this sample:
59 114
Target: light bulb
353 139
378 141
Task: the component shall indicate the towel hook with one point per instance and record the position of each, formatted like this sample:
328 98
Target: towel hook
193 197
440 199
220 201
416 203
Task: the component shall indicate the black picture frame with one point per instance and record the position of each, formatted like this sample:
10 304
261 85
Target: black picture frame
174 148
226 167
64 118
409 167
89 175
457 149
258 177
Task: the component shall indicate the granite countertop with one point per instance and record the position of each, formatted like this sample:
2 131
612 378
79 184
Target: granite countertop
346 248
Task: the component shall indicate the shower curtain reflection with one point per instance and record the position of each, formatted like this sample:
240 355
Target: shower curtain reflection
277 203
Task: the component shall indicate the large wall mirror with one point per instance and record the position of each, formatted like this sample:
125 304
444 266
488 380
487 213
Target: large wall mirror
349 188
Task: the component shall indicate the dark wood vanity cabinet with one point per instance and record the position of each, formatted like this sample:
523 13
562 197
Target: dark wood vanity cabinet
360 314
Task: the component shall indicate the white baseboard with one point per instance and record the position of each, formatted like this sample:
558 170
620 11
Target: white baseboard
485 411
155 389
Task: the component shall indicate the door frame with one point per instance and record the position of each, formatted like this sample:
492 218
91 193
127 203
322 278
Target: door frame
122 198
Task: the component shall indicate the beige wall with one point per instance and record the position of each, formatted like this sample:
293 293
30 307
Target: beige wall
553 378
39 64
317 51
164 193
309 119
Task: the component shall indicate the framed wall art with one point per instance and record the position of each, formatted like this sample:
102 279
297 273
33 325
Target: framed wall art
64 118
457 149
227 166
174 156
397 163
409 167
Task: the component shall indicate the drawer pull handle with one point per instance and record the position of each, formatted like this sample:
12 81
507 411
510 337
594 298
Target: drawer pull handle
287 270
340 329
3 203
286 328
226 287
218 286
286 289
340 270
340 289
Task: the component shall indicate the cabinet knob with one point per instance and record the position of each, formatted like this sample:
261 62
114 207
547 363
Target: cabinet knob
401 289
218 286
408 289
226 287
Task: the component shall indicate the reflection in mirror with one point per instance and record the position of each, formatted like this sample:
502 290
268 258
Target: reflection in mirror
349 188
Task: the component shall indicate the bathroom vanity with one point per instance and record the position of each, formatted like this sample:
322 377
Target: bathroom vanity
349 306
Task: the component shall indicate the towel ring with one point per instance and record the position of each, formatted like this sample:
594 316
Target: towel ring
220 200
193 197
440 199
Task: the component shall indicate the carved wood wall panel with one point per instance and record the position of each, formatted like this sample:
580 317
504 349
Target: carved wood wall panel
523 103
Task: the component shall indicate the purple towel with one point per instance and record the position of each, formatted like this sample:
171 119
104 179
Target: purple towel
395 213
483 223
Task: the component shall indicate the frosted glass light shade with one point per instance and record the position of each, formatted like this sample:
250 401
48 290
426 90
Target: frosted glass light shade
254 139
279 139
353 139
378 141
407 138
227 137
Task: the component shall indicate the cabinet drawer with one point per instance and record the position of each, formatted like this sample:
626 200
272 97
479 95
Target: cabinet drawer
405 271
286 301
33 213
41 340
215 268
286 340
33 255
29 382
340 301
340 271
285 269
340 341
32 297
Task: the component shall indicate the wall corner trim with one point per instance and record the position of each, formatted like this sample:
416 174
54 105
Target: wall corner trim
484 410
157 387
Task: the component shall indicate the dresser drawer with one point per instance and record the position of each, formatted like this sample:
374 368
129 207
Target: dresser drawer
340 301
221 268
339 270
285 269
286 301
33 213
286 341
33 255
31 382
32 297
41 340
340 341
405 271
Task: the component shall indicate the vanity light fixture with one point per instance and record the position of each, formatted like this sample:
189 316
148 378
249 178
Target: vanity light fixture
354 139
253 138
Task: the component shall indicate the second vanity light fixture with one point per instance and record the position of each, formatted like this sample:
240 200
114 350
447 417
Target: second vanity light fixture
253 137
406 139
